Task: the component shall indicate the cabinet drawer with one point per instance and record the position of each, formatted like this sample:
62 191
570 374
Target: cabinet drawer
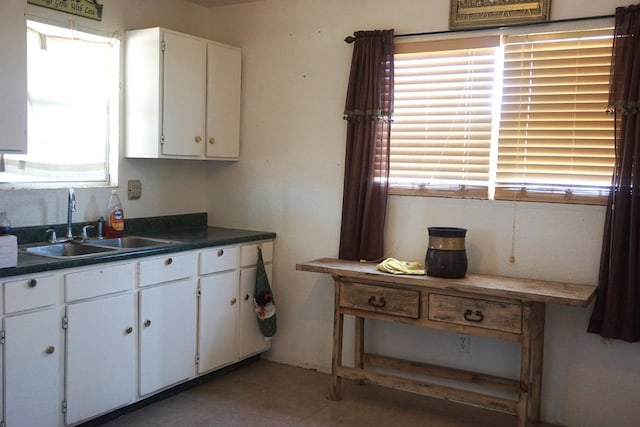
399 302
166 269
479 313
31 292
99 281
218 259
249 253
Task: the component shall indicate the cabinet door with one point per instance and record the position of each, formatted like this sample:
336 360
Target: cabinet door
167 335
251 340
13 84
183 102
223 101
33 369
218 320
101 356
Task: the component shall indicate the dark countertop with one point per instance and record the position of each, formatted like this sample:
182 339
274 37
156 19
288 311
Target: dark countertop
182 239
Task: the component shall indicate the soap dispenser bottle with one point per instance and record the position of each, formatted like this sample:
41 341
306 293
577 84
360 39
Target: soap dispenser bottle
114 226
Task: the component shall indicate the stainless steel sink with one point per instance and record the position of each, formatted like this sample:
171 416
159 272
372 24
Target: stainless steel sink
129 242
65 250
91 247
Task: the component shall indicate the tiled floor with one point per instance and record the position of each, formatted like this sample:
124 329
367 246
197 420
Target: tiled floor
268 394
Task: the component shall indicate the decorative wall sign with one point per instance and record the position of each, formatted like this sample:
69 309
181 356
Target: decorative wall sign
494 13
86 8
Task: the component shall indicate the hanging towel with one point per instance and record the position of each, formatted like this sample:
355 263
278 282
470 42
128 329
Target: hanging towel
265 306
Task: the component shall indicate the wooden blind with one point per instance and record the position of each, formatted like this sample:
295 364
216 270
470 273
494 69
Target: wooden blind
441 131
555 140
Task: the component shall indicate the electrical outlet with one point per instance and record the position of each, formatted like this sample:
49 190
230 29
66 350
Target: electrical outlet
134 189
463 343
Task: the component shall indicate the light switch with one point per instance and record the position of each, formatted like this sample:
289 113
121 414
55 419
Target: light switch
134 189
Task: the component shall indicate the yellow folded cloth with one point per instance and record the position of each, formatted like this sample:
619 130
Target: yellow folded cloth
394 266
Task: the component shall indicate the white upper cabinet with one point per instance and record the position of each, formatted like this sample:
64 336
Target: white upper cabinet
182 96
183 103
223 118
13 81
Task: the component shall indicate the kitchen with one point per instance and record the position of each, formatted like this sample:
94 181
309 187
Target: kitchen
289 181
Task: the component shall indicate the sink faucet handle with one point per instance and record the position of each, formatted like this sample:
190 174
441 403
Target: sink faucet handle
84 231
53 238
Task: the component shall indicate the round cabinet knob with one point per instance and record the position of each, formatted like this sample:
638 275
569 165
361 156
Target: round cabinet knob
168 261
233 301
33 283
212 141
147 323
220 252
246 297
129 330
50 350
198 140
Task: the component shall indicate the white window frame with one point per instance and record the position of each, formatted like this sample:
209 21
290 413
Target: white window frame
111 130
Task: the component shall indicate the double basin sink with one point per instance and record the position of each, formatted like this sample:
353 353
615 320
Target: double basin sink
91 247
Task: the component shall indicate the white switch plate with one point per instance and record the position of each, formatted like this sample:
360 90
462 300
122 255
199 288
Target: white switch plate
134 189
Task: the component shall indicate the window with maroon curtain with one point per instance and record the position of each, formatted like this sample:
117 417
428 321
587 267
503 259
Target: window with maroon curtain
368 111
616 313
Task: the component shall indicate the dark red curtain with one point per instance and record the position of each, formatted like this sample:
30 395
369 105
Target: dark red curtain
368 111
616 313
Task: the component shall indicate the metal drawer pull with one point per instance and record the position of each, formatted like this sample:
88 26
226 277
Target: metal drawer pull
50 350
220 252
168 261
128 330
378 304
33 283
147 323
471 317
233 301
246 297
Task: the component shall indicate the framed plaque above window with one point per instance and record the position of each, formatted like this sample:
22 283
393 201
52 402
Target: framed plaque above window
494 13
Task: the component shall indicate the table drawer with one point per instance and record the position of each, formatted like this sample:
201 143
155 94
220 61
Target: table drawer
479 313
380 299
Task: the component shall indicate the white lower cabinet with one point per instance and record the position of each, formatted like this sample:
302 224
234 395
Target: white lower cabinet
218 320
33 349
100 340
167 334
33 374
167 316
82 342
227 326
101 356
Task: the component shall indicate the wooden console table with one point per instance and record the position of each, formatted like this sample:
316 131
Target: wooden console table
491 306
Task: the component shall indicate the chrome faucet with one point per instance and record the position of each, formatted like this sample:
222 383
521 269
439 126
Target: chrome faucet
71 208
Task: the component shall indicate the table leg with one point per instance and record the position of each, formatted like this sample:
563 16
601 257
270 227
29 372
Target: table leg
525 366
336 358
359 343
537 355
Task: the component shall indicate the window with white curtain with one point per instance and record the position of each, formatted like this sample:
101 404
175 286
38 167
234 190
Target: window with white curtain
516 117
72 81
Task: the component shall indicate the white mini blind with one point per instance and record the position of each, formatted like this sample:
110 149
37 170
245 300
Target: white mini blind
556 141
442 125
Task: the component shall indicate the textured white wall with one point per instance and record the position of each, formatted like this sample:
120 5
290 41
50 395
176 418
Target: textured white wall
295 69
